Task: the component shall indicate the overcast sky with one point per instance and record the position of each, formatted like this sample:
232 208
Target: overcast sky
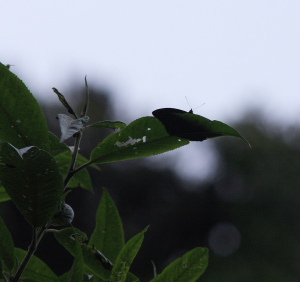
230 55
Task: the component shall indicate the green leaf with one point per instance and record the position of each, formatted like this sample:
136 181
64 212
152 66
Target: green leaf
3 195
31 178
36 269
76 274
108 236
66 237
22 122
141 138
63 100
186 269
126 257
7 246
108 124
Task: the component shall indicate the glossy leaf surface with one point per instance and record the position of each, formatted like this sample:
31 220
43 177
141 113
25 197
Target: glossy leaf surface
141 138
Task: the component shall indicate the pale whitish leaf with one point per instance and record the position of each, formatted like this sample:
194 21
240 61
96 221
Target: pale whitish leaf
70 126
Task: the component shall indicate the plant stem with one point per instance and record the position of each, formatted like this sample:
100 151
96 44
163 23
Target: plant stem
36 238
74 158
72 169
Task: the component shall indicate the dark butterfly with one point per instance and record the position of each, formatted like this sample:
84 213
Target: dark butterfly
191 126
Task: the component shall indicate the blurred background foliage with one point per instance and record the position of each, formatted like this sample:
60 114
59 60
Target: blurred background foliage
247 214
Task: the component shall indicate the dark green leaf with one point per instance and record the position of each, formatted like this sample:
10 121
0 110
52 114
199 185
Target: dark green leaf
108 236
141 138
193 127
22 122
63 100
3 195
76 274
66 238
109 124
126 257
31 178
186 269
36 269
7 246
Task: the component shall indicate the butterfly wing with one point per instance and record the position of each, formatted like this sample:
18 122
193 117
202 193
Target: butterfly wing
183 124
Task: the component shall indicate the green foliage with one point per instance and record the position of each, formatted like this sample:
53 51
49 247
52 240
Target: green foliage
141 138
126 257
36 168
109 124
22 122
108 236
36 269
76 273
7 255
188 268
3 195
32 180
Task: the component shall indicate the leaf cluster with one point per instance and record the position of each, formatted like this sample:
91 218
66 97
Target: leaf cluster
37 171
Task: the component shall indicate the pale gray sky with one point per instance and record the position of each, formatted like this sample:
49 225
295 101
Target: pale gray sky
226 54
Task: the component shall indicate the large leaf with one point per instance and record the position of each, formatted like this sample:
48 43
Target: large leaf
188 268
36 270
108 236
31 178
126 257
7 246
141 138
22 122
